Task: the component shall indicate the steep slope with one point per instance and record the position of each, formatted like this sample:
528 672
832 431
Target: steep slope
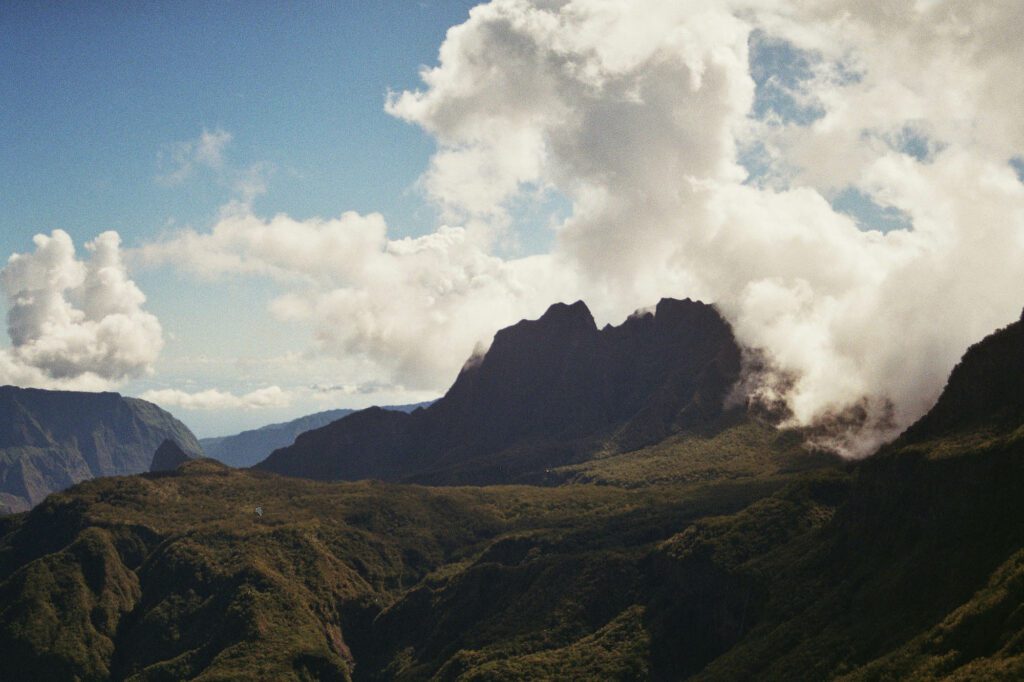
985 391
249 447
919 575
52 439
548 392
169 456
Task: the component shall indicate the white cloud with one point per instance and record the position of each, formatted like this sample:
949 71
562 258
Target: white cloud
637 113
72 323
180 160
413 308
214 399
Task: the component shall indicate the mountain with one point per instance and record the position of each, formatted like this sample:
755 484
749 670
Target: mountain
169 456
919 573
717 553
249 447
548 392
50 440
985 391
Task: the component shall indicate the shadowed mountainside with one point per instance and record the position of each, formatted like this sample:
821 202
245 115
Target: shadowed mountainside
716 555
173 576
250 447
985 391
548 392
52 439
920 574
169 456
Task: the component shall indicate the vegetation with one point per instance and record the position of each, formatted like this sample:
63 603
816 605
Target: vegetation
906 566
50 440
717 554
174 575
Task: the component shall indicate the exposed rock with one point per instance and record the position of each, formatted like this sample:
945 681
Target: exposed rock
547 392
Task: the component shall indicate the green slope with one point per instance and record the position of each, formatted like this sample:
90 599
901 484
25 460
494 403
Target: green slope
908 565
173 576
717 555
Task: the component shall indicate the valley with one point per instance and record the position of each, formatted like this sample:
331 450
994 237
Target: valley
725 550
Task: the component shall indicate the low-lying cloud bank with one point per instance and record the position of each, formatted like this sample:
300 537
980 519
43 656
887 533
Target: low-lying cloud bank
214 399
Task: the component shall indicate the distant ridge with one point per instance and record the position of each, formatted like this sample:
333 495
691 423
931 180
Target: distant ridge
50 440
249 447
548 392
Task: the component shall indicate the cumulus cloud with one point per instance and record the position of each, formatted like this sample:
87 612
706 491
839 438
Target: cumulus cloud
701 146
214 399
72 323
412 307
640 112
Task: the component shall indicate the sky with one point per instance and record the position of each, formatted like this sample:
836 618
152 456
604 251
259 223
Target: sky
246 212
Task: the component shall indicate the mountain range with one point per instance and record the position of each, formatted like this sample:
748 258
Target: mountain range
250 447
50 440
671 538
547 393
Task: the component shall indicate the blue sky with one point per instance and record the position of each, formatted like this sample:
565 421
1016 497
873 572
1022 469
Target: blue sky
95 99
94 94
807 170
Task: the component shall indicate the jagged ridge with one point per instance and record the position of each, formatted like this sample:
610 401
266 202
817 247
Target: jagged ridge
547 392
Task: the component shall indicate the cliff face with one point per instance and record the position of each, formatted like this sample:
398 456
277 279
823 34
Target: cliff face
547 392
50 440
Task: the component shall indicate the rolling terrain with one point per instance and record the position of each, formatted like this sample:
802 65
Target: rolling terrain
719 552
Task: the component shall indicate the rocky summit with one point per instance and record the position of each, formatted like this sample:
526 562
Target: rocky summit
548 392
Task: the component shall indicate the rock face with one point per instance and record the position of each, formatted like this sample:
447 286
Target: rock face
547 392
169 456
249 447
985 389
50 440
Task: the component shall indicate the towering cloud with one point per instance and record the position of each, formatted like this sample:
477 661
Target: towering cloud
641 113
73 323
703 148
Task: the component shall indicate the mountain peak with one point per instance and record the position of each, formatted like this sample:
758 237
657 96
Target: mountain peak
554 388
577 312
984 389
169 456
